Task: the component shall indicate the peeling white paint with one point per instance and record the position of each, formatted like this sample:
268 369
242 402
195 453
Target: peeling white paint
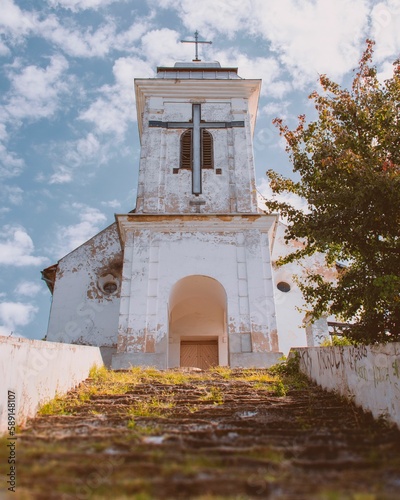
162 191
81 313
166 249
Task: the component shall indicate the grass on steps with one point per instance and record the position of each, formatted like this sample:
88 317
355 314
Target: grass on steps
102 382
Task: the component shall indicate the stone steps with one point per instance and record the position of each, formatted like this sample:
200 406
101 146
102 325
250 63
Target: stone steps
213 438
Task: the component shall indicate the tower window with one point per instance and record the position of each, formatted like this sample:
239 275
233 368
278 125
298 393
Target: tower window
186 149
206 149
186 158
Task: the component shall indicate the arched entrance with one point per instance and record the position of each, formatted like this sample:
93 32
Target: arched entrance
197 323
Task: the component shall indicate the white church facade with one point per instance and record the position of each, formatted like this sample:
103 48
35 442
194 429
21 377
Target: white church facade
188 277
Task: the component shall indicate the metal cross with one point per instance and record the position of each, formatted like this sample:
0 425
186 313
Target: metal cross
196 41
196 125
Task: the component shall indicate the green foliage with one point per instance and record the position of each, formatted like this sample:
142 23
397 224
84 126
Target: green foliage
98 373
57 406
103 382
279 389
213 395
224 371
335 340
155 407
348 162
289 376
288 366
142 429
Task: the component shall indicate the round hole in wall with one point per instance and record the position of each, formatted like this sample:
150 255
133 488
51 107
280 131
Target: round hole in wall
283 286
108 284
110 287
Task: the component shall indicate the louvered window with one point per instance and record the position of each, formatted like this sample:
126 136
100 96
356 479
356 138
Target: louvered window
206 149
186 149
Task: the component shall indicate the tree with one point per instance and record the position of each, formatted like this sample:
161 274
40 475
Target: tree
348 163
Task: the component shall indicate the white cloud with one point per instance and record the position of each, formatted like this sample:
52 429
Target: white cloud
72 236
13 194
111 203
4 50
125 40
76 43
276 108
385 20
14 21
4 210
27 288
16 248
62 175
10 164
113 110
63 32
89 150
162 47
35 91
266 68
386 71
213 15
14 315
76 5
313 37
265 191
278 89
3 132
17 24
84 150
308 36
34 94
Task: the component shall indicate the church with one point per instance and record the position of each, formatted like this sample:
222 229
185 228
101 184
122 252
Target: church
188 278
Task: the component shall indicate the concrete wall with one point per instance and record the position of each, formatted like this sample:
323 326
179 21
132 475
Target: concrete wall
293 329
369 374
35 371
162 250
82 312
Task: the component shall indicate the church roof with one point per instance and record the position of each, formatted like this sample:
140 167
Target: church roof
197 70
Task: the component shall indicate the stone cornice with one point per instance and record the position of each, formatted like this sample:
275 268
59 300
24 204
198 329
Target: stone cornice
171 223
197 89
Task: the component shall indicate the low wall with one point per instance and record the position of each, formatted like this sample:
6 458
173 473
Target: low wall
370 375
33 372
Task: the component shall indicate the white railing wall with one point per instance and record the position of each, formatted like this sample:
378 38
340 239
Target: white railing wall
33 372
370 375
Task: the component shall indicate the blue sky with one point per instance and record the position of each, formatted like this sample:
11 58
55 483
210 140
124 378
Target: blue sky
69 146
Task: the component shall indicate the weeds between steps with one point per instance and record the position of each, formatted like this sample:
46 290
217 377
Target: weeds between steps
276 381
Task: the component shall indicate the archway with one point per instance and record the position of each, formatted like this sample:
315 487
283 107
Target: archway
197 323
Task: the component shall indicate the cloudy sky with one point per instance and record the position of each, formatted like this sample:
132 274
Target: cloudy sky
69 146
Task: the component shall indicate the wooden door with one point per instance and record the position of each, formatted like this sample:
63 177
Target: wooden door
199 353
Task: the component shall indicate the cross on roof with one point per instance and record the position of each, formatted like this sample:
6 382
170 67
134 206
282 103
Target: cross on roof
196 41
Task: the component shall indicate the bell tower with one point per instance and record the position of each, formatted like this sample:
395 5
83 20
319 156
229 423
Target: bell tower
197 281
196 122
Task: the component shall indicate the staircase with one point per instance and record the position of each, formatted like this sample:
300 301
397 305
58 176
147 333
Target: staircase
217 434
